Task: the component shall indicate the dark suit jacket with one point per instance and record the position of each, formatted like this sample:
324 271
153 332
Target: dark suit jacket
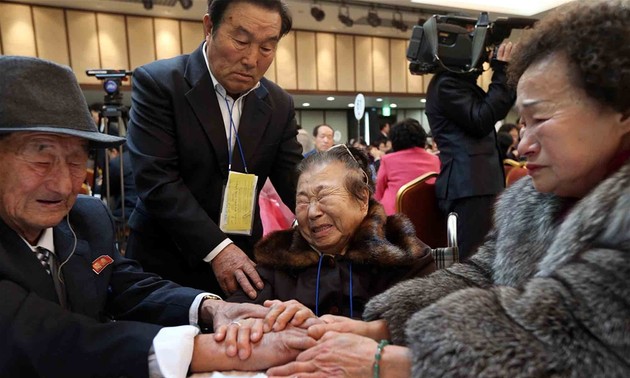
179 153
40 338
462 118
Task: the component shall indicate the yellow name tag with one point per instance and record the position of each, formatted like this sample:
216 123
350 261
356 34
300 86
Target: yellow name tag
237 214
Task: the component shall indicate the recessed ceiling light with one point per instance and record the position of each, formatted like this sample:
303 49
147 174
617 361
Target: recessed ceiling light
351 105
379 100
423 100
393 105
331 98
306 104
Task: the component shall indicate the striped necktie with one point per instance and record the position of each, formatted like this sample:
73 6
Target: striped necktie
43 255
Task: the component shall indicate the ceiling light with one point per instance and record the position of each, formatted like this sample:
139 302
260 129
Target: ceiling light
331 98
397 21
351 105
186 4
379 100
423 100
306 104
317 12
344 15
148 4
393 105
372 18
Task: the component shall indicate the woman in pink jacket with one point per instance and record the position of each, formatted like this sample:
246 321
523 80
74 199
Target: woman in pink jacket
408 161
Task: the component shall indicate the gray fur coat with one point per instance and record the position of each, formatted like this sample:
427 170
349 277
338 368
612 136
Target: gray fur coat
548 294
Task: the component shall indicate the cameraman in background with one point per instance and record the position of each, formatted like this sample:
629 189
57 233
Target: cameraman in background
462 118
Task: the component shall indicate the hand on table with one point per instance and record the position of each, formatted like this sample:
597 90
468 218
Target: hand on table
375 330
281 314
239 335
334 355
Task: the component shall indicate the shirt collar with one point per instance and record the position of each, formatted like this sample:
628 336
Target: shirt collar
46 240
215 83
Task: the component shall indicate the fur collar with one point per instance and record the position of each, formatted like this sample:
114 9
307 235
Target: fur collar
382 240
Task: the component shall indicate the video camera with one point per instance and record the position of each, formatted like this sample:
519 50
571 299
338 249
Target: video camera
458 44
112 81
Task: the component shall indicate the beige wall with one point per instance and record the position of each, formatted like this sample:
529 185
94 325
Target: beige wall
306 61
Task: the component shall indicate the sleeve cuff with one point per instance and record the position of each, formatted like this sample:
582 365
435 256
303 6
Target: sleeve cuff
216 250
173 347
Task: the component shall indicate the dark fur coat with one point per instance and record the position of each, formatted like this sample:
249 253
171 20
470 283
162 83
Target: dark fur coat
546 295
383 251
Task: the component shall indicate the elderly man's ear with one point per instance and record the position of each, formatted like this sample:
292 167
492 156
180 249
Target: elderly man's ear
207 25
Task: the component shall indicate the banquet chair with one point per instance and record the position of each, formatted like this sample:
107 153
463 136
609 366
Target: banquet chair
418 202
514 174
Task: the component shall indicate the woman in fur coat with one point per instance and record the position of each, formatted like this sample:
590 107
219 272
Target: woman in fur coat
548 292
344 249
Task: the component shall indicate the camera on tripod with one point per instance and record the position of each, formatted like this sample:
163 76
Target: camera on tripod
112 81
458 44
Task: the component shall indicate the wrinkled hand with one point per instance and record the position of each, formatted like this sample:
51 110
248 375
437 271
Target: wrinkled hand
290 312
375 330
277 348
273 349
238 336
232 268
334 355
221 313
504 53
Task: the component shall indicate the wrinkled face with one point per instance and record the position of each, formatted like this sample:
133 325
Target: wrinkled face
328 216
40 177
569 139
244 45
324 139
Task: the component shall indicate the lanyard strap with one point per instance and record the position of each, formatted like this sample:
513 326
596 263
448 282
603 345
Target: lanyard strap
238 140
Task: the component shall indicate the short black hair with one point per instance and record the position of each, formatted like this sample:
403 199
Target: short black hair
407 134
217 8
507 127
316 129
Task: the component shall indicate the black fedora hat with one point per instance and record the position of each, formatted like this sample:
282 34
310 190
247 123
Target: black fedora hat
39 95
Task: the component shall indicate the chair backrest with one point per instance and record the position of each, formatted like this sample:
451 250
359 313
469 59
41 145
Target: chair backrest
514 174
417 200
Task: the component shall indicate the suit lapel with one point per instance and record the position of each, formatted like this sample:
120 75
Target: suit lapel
19 264
254 121
80 285
203 100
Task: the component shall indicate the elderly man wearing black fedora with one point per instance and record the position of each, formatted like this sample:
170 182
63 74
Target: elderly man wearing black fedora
71 304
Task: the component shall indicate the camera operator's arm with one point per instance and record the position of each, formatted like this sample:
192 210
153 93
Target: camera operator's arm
477 112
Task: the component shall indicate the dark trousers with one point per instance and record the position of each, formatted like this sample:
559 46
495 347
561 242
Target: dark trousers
474 220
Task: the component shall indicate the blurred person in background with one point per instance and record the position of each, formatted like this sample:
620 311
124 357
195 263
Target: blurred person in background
407 161
323 139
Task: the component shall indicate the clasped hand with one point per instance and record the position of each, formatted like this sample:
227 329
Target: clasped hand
317 335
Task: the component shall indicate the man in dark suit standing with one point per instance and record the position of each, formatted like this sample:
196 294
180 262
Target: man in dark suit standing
462 118
197 122
72 306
